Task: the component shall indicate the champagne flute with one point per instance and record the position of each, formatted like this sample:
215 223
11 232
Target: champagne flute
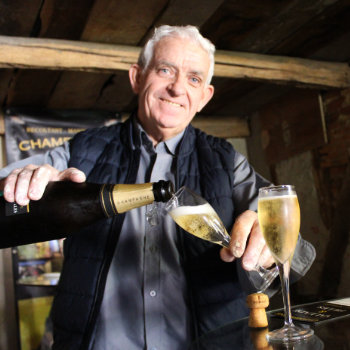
279 220
196 216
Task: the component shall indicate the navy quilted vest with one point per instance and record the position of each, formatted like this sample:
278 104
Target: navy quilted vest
204 164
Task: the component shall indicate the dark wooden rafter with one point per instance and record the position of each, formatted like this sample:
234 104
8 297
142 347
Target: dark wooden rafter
51 19
36 53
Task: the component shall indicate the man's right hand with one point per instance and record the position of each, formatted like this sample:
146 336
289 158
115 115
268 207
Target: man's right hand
29 183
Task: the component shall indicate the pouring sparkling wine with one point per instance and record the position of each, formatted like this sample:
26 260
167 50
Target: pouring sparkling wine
196 216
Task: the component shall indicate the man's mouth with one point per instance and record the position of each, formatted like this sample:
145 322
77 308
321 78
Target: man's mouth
171 103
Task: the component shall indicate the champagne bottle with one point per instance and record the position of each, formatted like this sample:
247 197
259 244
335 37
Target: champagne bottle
66 207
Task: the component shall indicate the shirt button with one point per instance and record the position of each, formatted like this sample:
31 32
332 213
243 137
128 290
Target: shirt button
152 293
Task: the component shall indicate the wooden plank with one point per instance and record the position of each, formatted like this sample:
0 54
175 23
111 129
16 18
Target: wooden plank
17 18
262 26
116 94
68 95
121 21
233 22
70 55
337 245
244 97
64 18
108 22
279 69
291 125
58 19
2 122
338 50
197 13
222 126
328 22
6 76
21 93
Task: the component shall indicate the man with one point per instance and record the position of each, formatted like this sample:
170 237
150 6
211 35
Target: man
127 284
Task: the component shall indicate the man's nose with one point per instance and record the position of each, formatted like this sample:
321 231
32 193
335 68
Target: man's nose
177 86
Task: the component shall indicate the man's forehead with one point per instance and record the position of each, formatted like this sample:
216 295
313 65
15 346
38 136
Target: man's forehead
171 48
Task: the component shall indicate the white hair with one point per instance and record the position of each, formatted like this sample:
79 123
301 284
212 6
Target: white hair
189 32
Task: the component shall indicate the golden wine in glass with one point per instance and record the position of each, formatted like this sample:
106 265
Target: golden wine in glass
196 216
279 220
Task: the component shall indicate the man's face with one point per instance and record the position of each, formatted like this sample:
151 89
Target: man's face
173 88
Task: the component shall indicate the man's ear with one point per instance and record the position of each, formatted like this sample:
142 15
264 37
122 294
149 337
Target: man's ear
208 93
134 76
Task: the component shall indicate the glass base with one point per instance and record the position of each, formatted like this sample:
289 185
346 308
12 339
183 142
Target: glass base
289 334
268 276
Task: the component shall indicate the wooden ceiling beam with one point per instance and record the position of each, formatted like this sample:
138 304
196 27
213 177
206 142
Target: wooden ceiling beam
222 126
35 53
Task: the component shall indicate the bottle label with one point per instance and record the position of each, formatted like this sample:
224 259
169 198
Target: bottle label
15 209
116 199
127 197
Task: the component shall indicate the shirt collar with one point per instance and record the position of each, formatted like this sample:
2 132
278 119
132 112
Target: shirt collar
142 138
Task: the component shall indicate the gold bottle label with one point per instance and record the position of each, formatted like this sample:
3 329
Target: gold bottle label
127 197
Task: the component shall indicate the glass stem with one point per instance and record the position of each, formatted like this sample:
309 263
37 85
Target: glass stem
284 275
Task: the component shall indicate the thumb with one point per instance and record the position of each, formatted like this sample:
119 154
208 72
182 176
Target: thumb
70 174
226 255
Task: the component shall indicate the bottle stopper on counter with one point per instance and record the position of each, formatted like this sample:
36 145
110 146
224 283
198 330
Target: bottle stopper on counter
257 303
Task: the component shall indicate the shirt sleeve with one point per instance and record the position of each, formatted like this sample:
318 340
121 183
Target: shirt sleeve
57 157
246 185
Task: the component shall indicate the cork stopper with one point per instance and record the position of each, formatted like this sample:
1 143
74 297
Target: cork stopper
257 304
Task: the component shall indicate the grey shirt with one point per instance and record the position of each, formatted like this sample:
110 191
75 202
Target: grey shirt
144 304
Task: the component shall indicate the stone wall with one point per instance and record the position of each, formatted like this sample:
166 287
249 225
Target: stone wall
332 173
321 176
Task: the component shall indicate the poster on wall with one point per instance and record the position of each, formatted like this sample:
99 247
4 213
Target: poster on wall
29 133
37 267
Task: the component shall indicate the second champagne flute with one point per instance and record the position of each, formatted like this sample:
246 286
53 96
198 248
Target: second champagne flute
196 216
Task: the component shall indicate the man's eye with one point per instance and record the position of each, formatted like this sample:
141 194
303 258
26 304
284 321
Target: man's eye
164 70
195 80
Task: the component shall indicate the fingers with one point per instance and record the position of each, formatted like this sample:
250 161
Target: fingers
29 183
255 246
239 236
16 185
38 181
71 174
247 243
266 259
226 255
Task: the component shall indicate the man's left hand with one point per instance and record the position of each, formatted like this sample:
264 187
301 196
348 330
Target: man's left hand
247 242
